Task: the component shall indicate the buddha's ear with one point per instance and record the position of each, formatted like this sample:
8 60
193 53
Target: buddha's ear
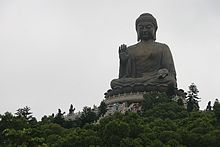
138 37
154 36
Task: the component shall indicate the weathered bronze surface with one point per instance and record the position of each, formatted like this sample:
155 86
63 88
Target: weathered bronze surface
147 65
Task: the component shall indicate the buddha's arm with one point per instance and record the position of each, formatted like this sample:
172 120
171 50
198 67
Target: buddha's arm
123 56
167 61
122 70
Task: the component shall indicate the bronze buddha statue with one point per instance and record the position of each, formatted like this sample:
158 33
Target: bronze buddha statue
147 65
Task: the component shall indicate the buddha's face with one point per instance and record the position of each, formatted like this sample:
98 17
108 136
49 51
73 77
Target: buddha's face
145 30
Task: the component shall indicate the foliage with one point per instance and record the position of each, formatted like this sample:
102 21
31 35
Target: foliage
164 123
209 107
151 99
24 112
59 118
102 109
192 98
88 116
216 109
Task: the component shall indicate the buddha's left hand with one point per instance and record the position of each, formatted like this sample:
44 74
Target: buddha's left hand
162 73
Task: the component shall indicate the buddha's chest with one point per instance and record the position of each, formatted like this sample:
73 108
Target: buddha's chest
144 54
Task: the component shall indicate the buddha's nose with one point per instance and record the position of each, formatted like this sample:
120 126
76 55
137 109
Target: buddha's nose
145 30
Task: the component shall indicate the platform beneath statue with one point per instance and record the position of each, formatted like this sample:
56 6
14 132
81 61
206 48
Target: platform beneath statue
126 97
132 101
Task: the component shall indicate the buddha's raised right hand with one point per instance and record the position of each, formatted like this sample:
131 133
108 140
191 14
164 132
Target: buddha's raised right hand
123 53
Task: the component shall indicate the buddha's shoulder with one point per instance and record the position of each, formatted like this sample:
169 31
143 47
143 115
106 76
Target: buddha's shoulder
133 46
155 44
161 45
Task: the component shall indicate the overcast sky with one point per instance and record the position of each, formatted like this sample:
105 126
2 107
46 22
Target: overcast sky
55 53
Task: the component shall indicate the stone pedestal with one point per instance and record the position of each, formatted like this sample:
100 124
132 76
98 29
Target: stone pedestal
124 102
127 97
130 102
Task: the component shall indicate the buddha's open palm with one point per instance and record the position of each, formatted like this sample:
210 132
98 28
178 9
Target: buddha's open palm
123 53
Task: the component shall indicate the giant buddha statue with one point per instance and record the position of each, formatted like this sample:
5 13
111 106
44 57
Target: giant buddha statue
147 65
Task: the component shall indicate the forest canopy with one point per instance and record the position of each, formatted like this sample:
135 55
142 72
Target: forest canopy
164 123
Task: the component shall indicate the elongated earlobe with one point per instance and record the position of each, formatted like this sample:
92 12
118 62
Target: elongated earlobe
154 36
138 37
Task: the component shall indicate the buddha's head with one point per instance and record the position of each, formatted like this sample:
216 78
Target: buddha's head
146 27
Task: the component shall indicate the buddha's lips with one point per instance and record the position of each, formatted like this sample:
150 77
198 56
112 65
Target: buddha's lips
145 34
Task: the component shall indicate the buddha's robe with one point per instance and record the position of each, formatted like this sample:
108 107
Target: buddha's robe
146 60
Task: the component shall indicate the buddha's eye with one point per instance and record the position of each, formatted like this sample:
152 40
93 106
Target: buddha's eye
149 26
141 27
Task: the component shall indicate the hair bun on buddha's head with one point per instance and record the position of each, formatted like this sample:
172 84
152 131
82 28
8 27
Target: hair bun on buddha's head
146 17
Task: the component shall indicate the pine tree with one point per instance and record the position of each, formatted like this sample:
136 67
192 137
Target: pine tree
192 98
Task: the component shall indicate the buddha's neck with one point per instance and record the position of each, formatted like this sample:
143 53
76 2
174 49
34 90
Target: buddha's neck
147 41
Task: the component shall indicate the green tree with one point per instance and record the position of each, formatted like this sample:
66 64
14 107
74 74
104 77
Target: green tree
88 116
81 137
71 109
169 110
24 113
59 118
152 99
192 98
102 109
129 142
216 109
47 119
21 138
114 132
209 107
